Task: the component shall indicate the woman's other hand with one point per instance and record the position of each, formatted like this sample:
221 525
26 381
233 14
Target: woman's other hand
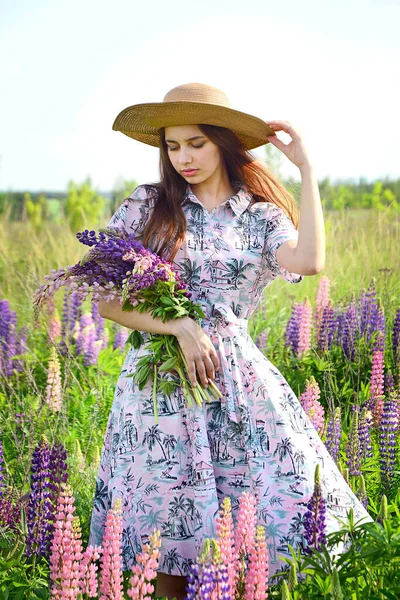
295 150
197 348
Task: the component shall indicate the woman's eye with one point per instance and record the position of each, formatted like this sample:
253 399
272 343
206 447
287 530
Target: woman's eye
172 149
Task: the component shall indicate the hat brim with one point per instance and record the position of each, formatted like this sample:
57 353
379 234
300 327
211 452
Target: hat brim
142 122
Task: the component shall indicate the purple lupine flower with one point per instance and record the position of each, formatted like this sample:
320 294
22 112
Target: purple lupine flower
83 333
322 300
121 336
8 325
388 441
193 579
39 506
388 384
65 331
116 258
396 337
361 492
87 343
334 435
1 468
364 427
340 318
222 579
207 581
97 320
368 311
305 328
380 329
58 474
293 328
349 332
10 509
353 447
261 339
75 312
375 402
327 328
21 348
315 517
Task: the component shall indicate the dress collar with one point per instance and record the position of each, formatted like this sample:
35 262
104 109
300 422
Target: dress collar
238 202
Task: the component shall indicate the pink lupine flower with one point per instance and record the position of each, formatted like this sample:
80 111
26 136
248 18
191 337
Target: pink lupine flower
54 331
257 574
376 387
121 335
305 321
244 533
111 563
88 571
145 569
65 549
322 302
225 539
311 405
53 388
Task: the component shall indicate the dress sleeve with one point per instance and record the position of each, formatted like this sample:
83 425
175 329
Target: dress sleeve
279 229
133 213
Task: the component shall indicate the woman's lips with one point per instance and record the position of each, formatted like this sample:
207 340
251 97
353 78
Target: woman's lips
189 172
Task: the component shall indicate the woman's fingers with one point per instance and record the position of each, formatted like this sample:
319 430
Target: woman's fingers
284 126
202 372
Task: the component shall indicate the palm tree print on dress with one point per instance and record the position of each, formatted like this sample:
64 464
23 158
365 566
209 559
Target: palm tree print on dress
195 226
183 519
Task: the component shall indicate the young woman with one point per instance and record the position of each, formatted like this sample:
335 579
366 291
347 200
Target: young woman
230 228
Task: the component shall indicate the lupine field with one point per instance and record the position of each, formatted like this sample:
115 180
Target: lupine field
336 339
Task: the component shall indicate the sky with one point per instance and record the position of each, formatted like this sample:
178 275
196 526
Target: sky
68 67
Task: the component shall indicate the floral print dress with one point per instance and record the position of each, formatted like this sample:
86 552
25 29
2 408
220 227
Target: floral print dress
257 438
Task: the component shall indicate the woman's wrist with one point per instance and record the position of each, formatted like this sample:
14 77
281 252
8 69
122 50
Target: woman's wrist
178 326
306 167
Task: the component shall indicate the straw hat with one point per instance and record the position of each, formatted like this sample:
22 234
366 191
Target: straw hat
191 104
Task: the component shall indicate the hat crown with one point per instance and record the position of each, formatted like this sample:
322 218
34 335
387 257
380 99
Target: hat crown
197 92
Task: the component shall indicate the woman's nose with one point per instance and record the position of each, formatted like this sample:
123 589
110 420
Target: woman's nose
184 156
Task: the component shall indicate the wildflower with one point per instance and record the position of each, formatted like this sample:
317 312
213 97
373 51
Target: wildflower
321 302
314 521
53 387
66 549
334 434
353 447
40 505
257 575
145 569
111 562
388 441
88 571
305 328
376 387
225 539
311 405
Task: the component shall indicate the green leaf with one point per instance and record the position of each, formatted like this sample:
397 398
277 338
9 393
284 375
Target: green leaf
135 338
169 364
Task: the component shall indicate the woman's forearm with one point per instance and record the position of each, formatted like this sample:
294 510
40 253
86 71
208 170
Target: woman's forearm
311 242
135 320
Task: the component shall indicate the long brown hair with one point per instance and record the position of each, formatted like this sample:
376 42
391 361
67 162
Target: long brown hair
167 223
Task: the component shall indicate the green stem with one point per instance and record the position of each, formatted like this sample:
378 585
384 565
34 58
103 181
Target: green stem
155 376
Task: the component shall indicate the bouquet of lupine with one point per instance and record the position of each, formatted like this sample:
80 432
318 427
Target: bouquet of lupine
119 266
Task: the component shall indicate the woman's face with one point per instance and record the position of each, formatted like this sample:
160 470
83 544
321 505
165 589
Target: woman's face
192 154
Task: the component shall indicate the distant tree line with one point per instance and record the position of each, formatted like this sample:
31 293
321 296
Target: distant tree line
81 206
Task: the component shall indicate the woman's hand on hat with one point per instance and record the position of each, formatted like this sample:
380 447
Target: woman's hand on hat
295 150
